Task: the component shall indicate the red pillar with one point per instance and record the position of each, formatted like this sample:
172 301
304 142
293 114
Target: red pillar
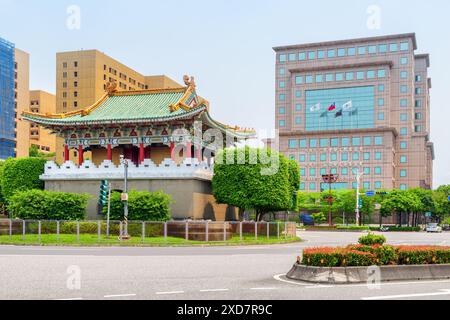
80 155
172 150
188 150
141 153
199 153
109 152
66 153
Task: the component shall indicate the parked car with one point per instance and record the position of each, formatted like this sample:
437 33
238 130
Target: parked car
307 220
446 227
434 228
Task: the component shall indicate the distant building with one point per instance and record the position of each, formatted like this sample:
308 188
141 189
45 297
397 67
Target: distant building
82 77
14 99
359 105
44 103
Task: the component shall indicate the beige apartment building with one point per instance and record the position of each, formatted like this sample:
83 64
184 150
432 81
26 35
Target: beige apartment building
22 101
82 78
42 102
354 107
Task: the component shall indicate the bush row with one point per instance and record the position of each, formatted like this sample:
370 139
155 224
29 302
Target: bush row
398 229
363 256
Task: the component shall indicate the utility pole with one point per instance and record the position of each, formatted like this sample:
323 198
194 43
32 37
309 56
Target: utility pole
125 235
330 179
359 175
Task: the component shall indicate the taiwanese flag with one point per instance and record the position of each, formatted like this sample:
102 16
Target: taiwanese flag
332 107
339 114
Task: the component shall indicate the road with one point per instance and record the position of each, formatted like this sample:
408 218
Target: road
218 273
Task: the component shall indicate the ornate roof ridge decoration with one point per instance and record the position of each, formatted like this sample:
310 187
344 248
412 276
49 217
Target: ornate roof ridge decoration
183 103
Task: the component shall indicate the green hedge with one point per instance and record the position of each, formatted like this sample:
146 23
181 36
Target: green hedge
372 239
45 205
21 175
142 206
399 229
353 228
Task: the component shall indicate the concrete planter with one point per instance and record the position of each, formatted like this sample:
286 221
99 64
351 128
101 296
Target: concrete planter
352 275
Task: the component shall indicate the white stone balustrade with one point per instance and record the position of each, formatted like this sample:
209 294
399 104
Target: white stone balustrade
189 169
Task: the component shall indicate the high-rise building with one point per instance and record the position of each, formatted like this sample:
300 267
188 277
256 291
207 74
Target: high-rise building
14 99
42 102
356 106
82 77
7 117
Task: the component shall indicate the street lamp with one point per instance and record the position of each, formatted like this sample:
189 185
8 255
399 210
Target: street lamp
330 179
125 235
359 175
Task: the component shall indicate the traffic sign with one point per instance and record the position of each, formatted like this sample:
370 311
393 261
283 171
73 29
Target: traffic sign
428 215
370 194
448 198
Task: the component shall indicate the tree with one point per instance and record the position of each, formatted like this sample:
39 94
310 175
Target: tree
426 204
441 203
245 179
34 152
399 202
294 182
2 200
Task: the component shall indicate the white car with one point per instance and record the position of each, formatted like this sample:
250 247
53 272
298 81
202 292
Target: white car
434 228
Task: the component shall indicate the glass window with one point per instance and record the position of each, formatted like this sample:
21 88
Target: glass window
367 171
303 172
302 186
323 171
323 157
319 78
349 76
282 58
298 107
351 51
298 80
312 158
333 171
331 53
393 47
378 156
313 143
403 159
403 117
378 185
292 57
334 157
312 172
282 71
418 129
311 55
302 56
403 145
403 102
381 73
356 141
377 171
302 158
298 94
382 48
403 187
403 173
341 52
378 141
370 74
360 75
380 116
403 131
418 103
418 78
345 142
323 143
418 116
309 79
367 141
282 84
303 144
362 50
291 157
312 186
282 123
298 120
339 76
354 185
404 74
404 46
282 97
344 171
344 156
404 89
366 156
355 156
366 185
320 54
418 91
403 60
335 142
372 49
282 110
381 102
329 77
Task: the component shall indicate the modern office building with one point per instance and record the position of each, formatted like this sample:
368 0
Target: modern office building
42 102
356 106
82 77
14 99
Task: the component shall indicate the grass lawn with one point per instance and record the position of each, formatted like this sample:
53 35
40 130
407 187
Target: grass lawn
93 240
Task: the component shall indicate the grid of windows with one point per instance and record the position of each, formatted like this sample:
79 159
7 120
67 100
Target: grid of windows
339 76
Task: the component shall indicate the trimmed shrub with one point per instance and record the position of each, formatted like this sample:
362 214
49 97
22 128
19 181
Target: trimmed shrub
336 257
142 206
398 229
383 255
372 239
21 175
353 228
45 205
412 255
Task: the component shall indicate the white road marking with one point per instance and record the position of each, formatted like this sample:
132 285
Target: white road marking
69 299
278 278
263 289
403 296
215 290
168 293
120 295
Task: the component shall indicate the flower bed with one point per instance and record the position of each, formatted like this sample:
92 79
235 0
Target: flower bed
381 255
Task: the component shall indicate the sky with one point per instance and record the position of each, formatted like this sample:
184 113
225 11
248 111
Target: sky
226 44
